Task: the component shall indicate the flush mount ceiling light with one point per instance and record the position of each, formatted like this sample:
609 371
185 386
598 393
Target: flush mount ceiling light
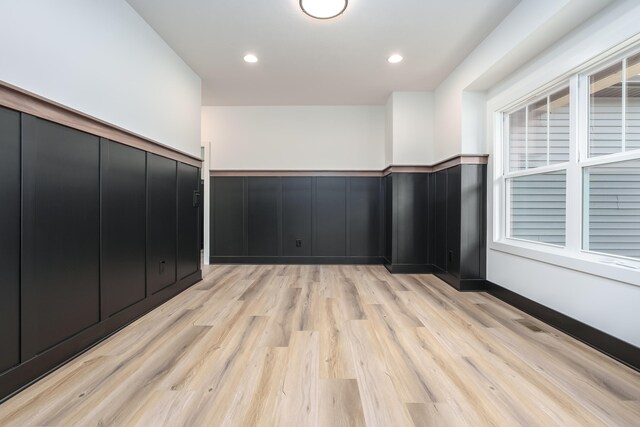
394 59
323 9
251 59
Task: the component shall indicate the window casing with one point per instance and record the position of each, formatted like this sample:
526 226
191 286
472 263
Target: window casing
537 141
571 165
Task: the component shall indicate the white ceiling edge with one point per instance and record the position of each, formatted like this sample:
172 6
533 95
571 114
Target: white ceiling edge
547 31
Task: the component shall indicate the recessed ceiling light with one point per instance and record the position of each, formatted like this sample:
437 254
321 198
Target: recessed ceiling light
394 59
323 9
250 58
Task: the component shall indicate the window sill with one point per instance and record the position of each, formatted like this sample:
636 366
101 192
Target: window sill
619 269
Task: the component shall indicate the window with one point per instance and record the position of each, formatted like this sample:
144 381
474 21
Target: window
538 137
614 108
588 203
538 207
612 208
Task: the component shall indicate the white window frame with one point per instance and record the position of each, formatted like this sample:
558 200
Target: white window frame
507 174
585 161
572 255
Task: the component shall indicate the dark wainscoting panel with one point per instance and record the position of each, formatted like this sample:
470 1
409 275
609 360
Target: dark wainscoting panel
123 227
263 221
80 216
9 238
330 219
296 216
161 222
439 255
227 216
364 216
60 242
473 210
453 221
412 218
188 220
388 217
460 211
411 221
290 219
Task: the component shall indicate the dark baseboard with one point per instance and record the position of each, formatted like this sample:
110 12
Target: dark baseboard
18 378
409 268
611 346
462 285
295 260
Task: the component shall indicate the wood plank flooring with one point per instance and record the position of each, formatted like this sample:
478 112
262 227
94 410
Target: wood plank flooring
332 346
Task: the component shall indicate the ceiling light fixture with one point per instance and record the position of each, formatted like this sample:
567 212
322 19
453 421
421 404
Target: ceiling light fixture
394 59
323 9
251 59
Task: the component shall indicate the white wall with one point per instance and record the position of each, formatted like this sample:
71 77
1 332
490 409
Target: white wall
388 141
295 137
596 299
101 58
474 104
411 128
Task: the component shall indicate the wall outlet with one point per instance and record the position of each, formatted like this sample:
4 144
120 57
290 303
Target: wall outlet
298 243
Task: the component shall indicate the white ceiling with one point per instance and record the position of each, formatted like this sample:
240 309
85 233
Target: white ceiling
304 61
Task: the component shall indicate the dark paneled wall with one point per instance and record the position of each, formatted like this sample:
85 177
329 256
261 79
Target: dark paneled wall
9 239
330 214
124 214
411 219
439 209
296 216
365 214
473 209
85 224
460 226
264 216
296 219
161 225
452 248
61 233
227 216
387 192
412 222
189 221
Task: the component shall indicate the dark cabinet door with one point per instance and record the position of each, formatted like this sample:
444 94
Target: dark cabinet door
263 216
61 229
123 226
330 227
296 216
440 199
364 215
161 223
188 220
9 238
227 229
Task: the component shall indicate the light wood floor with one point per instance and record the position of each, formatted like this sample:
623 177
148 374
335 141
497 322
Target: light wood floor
332 346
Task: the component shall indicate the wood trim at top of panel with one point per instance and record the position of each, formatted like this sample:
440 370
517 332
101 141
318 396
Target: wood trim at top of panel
29 103
464 159
461 159
293 173
406 169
